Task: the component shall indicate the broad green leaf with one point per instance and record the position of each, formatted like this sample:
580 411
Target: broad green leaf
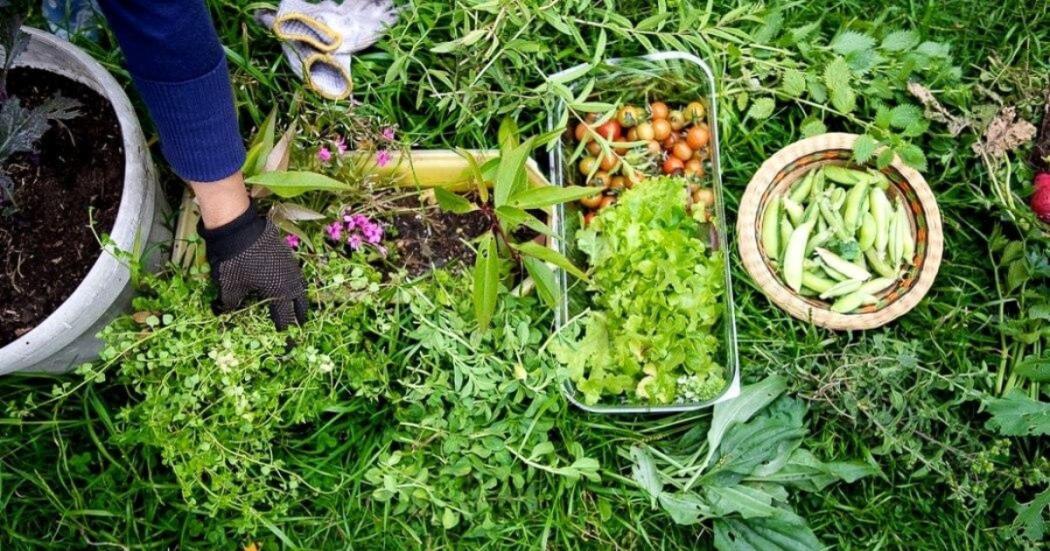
684 508
784 532
747 501
293 183
864 148
761 108
513 217
547 196
904 115
510 175
644 472
912 156
453 202
898 41
1018 415
844 99
848 42
570 75
544 279
546 254
1030 516
884 158
262 144
1035 368
837 74
813 127
793 83
449 519
508 135
804 471
486 280
477 173
740 409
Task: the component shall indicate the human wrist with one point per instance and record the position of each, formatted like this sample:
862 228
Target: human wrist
222 201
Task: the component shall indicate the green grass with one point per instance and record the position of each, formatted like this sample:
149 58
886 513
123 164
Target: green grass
905 396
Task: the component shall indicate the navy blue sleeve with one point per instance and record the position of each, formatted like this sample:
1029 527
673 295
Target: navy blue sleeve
179 68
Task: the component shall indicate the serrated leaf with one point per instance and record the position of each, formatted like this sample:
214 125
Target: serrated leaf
844 99
546 254
864 148
912 156
934 49
898 41
851 41
884 159
793 83
761 108
1029 520
1018 415
486 280
1035 368
905 114
453 202
812 127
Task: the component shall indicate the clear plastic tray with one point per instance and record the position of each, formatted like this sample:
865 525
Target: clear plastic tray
673 77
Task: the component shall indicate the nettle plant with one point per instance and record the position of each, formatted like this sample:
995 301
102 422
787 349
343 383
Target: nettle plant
508 207
21 127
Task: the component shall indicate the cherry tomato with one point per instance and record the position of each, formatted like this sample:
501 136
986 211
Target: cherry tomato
677 120
673 165
600 179
704 196
587 219
629 116
632 134
693 167
682 151
694 112
591 117
592 202
653 147
608 200
644 131
661 129
618 182
609 162
670 141
581 132
587 165
610 130
697 137
594 148
658 110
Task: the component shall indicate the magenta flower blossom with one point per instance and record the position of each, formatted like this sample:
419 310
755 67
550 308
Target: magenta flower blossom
354 241
292 240
388 133
334 230
324 154
340 145
382 158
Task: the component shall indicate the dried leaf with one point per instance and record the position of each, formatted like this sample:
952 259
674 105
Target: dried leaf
935 111
1004 134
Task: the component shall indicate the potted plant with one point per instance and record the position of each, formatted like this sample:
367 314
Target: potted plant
75 169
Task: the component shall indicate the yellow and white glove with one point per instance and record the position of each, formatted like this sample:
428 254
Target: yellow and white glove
319 38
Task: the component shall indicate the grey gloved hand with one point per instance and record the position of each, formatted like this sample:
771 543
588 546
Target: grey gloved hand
247 257
319 38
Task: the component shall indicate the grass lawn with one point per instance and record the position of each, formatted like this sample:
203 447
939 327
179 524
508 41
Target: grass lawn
387 458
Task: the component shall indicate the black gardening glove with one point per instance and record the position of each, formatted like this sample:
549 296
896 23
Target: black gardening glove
247 257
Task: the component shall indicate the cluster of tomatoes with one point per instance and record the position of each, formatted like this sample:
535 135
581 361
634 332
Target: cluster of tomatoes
671 141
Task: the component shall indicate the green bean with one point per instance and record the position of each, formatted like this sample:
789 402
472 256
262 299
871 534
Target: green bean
879 179
818 240
818 186
793 210
878 206
906 238
868 231
785 233
801 189
854 200
851 302
842 265
844 175
894 247
816 282
834 220
770 231
842 288
832 273
822 225
795 254
876 285
878 264
838 197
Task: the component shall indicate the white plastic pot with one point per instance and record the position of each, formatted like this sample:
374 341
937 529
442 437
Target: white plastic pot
67 337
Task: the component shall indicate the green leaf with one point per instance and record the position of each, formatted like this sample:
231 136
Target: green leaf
837 77
884 158
1035 368
793 83
912 156
486 280
761 108
513 217
683 508
294 183
261 145
864 148
1016 274
934 49
747 501
898 41
848 42
904 115
1018 415
813 127
844 99
1030 516
784 532
545 280
644 472
546 196
738 410
453 202
510 175
449 519
508 135
546 254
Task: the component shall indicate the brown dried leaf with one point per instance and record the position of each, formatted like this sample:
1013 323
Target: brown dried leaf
141 317
1004 134
1041 153
936 112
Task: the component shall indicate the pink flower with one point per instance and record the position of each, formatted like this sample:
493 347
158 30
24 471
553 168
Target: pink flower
340 145
324 155
388 133
292 240
382 158
360 220
334 230
354 241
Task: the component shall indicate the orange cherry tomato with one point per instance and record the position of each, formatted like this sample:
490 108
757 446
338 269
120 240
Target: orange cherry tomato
644 131
592 202
694 112
587 218
610 130
600 179
653 147
594 148
608 200
670 142
673 165
632 134
677 120
587 165
704 196
682 151
697 137
661 129
581 132
618 182
693 167
658 110
609 162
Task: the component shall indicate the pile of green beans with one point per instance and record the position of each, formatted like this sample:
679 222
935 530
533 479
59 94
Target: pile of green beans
847 208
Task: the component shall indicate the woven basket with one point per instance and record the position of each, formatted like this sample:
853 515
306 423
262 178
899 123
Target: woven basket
777 175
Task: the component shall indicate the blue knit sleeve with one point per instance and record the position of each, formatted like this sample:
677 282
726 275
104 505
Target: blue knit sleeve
179 68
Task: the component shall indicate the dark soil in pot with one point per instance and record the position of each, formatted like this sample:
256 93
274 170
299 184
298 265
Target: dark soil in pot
65 193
